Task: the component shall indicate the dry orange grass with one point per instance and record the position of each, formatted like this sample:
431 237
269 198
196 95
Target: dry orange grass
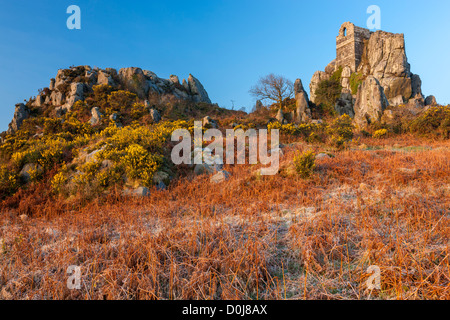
275 237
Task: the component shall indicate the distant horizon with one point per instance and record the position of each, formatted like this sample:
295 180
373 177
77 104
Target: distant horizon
227 45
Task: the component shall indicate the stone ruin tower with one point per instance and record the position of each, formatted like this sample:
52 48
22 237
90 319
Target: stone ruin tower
350 45
383 75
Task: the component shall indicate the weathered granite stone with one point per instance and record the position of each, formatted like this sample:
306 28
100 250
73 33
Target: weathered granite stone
280 116
430 101
196 89
379 54
303 113
156 117
344 105
96 116
20 114
370 102
317 77
105 78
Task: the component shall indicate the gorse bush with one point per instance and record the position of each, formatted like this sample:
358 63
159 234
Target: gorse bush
380 134
121 100
309 131
305 163
9 181
340 131
434 122
140 164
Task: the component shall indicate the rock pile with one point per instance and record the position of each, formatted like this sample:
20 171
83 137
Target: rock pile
72 85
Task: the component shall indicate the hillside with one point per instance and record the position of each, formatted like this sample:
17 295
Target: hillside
88 178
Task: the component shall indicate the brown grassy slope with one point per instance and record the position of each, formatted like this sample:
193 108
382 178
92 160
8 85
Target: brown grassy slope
250 237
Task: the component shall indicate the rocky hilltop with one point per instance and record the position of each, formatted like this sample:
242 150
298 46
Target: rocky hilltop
374 73
74 84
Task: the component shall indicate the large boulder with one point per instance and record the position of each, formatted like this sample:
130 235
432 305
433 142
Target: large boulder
203 168
139 192
96 116
156 117
174 79
135 81
416 84
105 78
52 84
303 113
57 98
27 171
197 91
344 105
220 177
430 101
398 100
76 94
370 102
317 77
39 101
331 67
59 79
280 116
20 114
207 122
384 57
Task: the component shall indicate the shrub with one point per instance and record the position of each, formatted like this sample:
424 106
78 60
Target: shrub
140 164
340 131
101 93
9 181
305 163
138 110
80 110
274 125
328 91
289 129
433 122
380 134
121 100
355 80
59 181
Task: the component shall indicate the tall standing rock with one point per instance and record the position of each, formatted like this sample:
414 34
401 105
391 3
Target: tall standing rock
20 114
76 94
379 54
280 116
303 113
385 58
258 105
199 93
96 116
370 102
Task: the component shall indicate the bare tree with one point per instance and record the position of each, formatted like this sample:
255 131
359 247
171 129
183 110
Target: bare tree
273 87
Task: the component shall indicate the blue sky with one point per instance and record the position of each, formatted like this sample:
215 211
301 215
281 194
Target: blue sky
226 44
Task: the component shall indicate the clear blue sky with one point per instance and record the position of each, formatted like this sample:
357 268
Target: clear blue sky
226 44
